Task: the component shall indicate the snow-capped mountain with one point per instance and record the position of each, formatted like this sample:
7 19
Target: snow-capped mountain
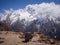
44 17
32 12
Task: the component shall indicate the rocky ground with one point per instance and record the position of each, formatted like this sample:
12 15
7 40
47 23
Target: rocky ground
14 38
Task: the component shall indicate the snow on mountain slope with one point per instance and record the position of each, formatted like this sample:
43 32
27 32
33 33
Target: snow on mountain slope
34 16
33 12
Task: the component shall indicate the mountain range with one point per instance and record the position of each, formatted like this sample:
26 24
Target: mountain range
44 17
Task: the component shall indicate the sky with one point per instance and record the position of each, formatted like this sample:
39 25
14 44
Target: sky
17 4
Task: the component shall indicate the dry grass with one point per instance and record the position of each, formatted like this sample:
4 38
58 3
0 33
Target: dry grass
14 38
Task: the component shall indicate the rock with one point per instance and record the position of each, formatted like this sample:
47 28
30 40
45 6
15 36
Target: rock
51 41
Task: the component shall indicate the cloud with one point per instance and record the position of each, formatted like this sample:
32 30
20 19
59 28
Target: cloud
34 11
44 9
